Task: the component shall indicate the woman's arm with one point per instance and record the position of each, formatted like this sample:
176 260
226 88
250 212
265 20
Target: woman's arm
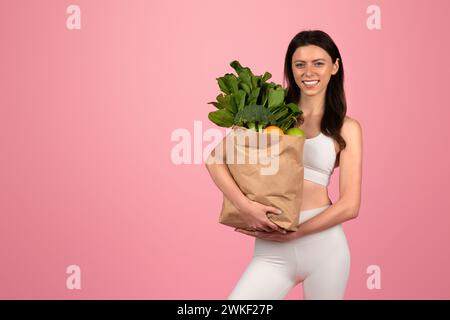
221 176
253 213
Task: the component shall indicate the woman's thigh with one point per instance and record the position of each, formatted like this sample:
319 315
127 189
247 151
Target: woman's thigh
324 264
270 274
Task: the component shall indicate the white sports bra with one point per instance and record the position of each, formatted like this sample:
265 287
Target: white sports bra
319 157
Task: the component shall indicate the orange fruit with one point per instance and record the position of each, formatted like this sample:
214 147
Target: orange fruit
274 129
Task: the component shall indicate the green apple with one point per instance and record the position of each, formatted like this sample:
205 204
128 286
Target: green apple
295 132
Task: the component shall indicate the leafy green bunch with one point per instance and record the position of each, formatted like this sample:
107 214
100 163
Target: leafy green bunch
252 102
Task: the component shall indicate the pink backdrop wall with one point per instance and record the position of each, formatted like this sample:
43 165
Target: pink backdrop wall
87 115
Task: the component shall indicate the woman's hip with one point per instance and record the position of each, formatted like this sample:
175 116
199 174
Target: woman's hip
334 234
322 239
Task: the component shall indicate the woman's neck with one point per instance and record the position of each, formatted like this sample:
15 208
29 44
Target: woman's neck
312 106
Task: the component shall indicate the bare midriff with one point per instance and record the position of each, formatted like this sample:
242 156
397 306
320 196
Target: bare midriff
314 195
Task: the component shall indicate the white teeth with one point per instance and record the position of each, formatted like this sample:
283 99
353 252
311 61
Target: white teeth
310 82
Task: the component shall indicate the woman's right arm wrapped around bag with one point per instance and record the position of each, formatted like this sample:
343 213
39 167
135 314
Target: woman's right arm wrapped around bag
252 212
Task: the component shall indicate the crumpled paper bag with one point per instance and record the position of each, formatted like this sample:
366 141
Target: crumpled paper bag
268 169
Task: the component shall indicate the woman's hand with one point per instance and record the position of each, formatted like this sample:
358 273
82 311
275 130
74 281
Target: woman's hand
254 215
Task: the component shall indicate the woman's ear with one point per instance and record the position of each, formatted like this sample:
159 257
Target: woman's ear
335 67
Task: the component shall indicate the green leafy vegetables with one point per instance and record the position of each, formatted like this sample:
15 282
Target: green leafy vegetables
252 102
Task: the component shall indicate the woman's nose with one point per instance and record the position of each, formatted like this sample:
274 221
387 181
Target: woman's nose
308 70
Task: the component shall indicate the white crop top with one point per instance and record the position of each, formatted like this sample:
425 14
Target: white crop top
319 157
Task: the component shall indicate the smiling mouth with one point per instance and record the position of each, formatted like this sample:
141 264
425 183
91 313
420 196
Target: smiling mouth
311 83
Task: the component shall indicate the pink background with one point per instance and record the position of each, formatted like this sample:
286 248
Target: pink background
86 176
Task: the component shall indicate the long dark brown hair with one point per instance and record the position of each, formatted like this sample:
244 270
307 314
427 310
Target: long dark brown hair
335 103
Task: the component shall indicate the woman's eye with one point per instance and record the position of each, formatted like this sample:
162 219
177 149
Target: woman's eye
301 65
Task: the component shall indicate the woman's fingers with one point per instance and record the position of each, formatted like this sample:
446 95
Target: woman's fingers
250 233
272 225
273 210
267 228
275 227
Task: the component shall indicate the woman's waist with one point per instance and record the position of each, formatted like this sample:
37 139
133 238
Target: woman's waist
309 203
314 196
309 213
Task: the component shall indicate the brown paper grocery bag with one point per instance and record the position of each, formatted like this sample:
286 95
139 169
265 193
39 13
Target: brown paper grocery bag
273 177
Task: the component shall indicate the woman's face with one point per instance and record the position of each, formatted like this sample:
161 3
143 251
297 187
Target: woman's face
312 63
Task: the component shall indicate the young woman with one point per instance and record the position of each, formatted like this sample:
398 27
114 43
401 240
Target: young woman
316 255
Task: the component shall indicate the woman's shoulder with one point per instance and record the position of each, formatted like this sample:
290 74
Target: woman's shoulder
350 124
351 129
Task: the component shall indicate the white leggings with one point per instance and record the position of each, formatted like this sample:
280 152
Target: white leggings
321 261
